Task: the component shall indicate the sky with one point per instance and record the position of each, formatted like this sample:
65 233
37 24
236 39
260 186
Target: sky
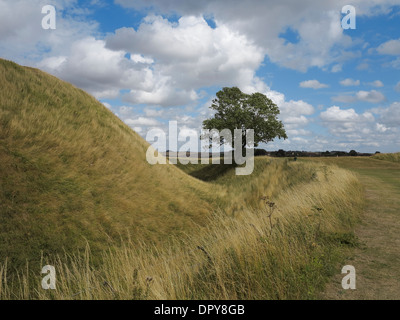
155 61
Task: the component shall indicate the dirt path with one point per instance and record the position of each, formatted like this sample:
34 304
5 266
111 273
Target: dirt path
377 261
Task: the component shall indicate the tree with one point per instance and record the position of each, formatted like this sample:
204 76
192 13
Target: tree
281 153
237 110
260 152
353 153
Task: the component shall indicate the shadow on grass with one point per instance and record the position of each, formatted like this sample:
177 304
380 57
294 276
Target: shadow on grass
212 172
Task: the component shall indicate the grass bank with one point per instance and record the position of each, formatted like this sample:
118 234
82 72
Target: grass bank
286 247
394 157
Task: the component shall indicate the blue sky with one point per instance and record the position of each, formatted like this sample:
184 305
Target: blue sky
155 61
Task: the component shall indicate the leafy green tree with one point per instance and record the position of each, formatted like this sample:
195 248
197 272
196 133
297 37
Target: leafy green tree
237 110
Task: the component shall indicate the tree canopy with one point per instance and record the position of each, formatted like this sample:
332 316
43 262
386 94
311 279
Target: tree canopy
238 110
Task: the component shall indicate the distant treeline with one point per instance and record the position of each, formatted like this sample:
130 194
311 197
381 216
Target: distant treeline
279 153
292 153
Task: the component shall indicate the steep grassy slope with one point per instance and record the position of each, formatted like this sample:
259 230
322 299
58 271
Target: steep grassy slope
71 171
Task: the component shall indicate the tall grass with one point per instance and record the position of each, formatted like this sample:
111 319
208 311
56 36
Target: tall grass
71 171
240 257
76 192
393 157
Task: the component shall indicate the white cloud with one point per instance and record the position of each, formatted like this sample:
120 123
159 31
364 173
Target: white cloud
376 83
350 82
141 59
142 121
188 55
101 71
391 47
390 116
296 108
292 113
314 84
349 126
381 128
298 132
397 87
22 38
321 40
336 68
152 112
356 130
335 114
372 96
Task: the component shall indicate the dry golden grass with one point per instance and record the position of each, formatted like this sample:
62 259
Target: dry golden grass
393 157
74 177
71 171
239 257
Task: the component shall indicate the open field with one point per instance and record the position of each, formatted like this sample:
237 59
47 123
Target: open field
377 259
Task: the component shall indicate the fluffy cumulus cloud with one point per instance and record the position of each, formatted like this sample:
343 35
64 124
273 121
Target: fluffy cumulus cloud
350 82
190 55
22 37
295 114
338 115
162 63
348 125
391 47
313 84
373 128
372 96
376 83
91 66
264 21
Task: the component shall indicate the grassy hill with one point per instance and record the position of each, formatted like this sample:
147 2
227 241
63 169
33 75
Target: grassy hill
71 171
